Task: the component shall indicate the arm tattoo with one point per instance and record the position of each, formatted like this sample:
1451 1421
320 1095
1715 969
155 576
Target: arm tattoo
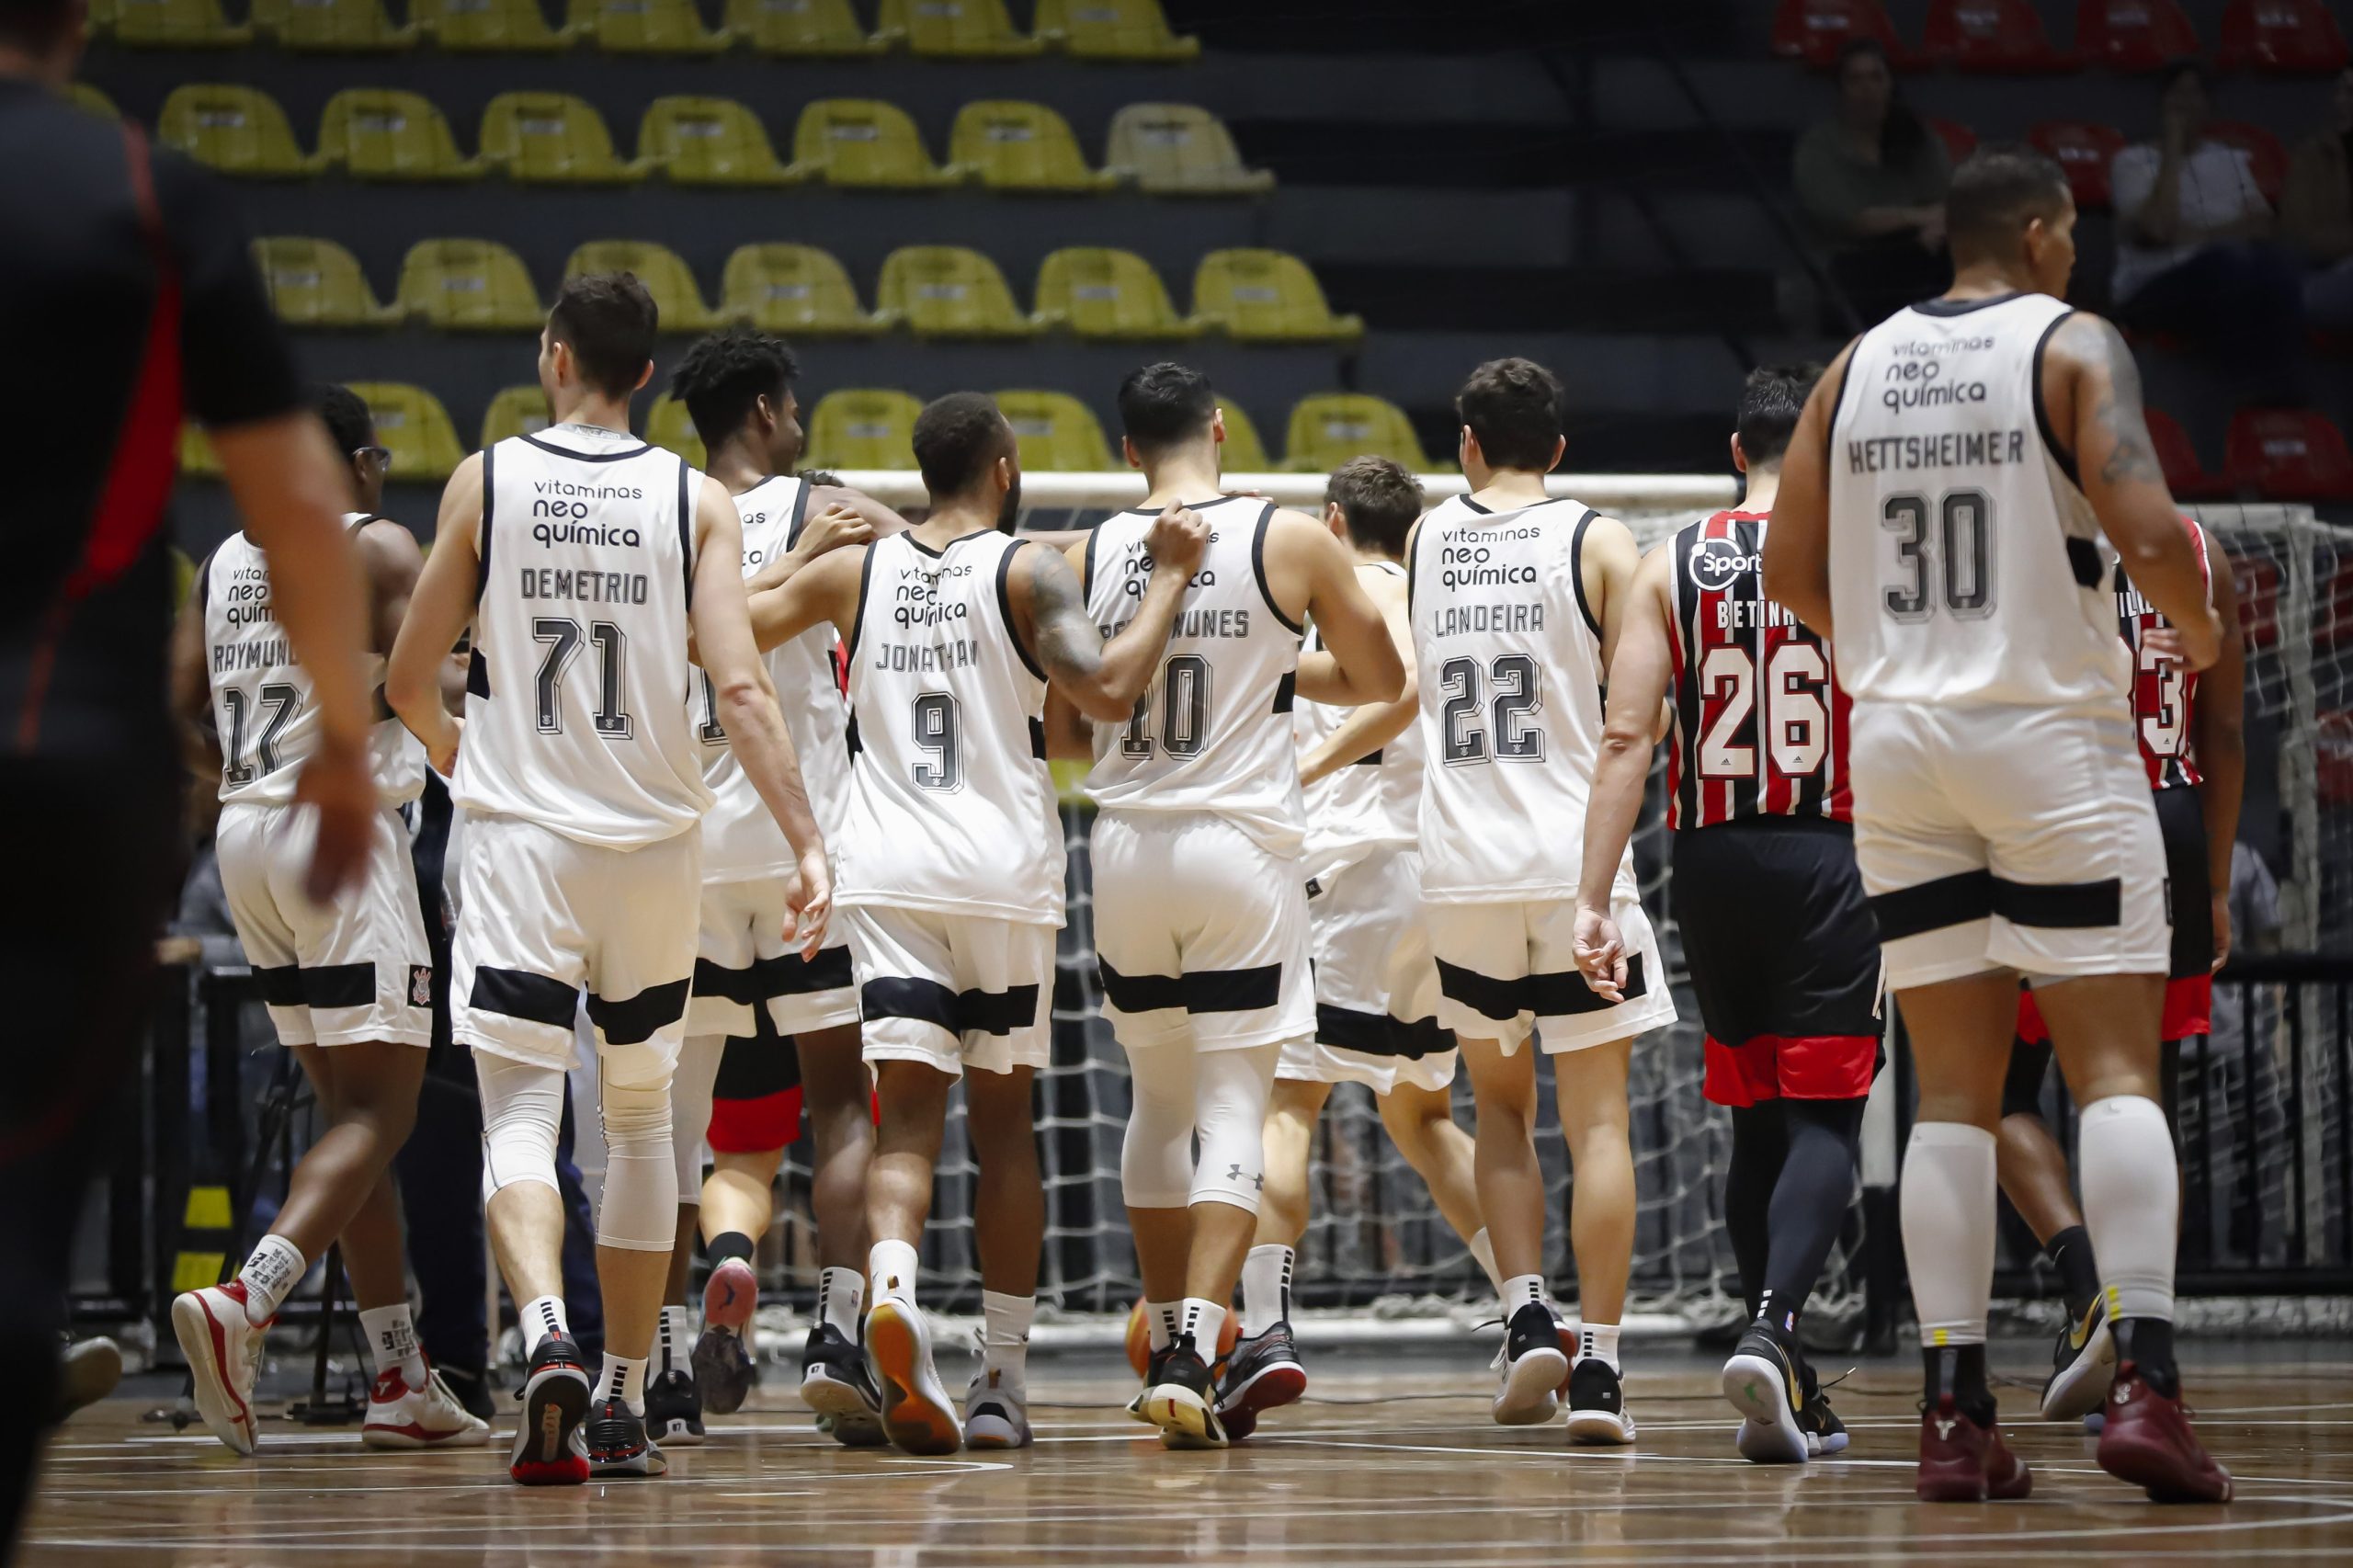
1069 644
2130 459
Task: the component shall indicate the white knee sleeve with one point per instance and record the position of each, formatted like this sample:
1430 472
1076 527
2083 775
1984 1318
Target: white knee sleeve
2132 1202
522 1109
1230 1093
1947 1210
640 1211
1156 1160
690 1093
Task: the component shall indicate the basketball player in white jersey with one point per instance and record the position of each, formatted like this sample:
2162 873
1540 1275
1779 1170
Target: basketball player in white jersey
952 866
1376 988
1942 521
1517 601
585 559
347 983
1200 902
737 387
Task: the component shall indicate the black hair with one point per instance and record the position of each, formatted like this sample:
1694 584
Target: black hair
1165 404
349 423
1771 400
724 376
1995 193
1902 134
608 321
1380 498
1513 406
956 438
821 476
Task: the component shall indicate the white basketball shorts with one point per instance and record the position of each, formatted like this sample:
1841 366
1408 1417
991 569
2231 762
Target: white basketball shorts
357 969
955 992
1505 969
1201 934
1376 985
744 961
2007 837
544 918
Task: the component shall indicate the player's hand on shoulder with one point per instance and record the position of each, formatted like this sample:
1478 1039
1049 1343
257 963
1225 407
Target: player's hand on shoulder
835 527
1600 952
1178 540
340 786
809 893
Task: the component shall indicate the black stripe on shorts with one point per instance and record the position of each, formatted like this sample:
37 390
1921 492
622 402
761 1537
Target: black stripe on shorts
636 1019
957 1012
1932 906
340 985
2069 906
520 994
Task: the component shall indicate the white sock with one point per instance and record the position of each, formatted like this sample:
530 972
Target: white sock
2132 1202
1947 1200
1521 1290
274 1269
1161 1317
1205 1321
675 1339
841 1295
623 1379
541 1316
1483 1249
891 1266
1599 1339
1265 1288
391 1335
1004 1334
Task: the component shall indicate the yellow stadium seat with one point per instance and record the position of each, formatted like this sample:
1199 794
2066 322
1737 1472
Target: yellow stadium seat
947 291
197 457
1113 30
862 427
413 424
1057 433
1021 146
375 133
665 277
863 142
1109 294
491 26
708 141
176 24
647 27
102 17
90 98
552 138
791 289
469 286
1245 452
332 27
235 129
669 427
317 283
516 411
819 28
954 28
1178 150
1328 430
1267 295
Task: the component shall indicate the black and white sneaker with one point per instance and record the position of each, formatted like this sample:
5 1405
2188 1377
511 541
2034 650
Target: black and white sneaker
1764 1382
548 1449
1597 1412
1155 1366
674 1407
1182 1402
1825 1432
1262 1373
2083 1366
836 1384
618 1445
1533 1366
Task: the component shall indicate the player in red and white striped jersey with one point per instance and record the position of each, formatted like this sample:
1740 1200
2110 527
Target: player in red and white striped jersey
1783 950
2189 725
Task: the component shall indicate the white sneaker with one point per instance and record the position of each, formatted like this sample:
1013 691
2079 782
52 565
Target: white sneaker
224 1351
996 1413
400 1416
917 1411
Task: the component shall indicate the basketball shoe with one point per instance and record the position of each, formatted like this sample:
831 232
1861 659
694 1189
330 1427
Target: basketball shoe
618 1445
224 1351
916 1412
1962 1461
1534 1366
1156 1364
549 1449
674 1407
996 1413
87 1370
401 1416
1763 1382
725 1364
1597 1412
2083 1364
2146 1440
1182 1402
836 1385
1261 1373
1825 1432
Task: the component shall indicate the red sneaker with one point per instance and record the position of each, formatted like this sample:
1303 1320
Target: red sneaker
1963 1462
2146 1440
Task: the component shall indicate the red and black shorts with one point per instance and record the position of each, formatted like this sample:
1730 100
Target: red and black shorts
1784 959
755 1100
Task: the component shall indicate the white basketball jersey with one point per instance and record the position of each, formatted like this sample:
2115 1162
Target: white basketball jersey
1508 659
1966 568
1371 804
1213 730
951 807
740 838
262 702
578 705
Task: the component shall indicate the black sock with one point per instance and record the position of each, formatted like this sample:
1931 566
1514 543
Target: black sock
2147 1343
727 1244
1960 1371
2071 1253
1810 1199
1758 1149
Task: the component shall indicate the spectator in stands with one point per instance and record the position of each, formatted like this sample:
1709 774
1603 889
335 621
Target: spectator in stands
2316 211
1872 179
2194 257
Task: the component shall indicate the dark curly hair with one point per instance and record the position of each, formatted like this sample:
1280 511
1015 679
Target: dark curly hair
724 376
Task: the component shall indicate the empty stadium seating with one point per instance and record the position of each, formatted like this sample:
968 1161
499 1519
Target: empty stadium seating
1112 31
1328 430
947 291
375 133
1112 294
792 288
665 277
332 27
708 141
2289 454
1245 452
2294 37
647 27
176 24
515 411
1180 150
1815 30
1056 433
552 138
1266 296
238 131
1021 146
862 427
671 427
819 29
1997 36
460 285
863 142
412 425
490 27
2085 151
2133 35
954 28
315 282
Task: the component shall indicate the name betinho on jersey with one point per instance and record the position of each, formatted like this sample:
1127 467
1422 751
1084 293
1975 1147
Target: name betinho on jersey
1947 448
1748 615
587 588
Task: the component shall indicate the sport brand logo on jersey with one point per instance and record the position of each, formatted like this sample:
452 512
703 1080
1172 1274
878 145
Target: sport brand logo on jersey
1716 563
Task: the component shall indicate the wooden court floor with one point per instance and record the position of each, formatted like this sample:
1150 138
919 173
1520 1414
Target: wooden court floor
1380 1466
